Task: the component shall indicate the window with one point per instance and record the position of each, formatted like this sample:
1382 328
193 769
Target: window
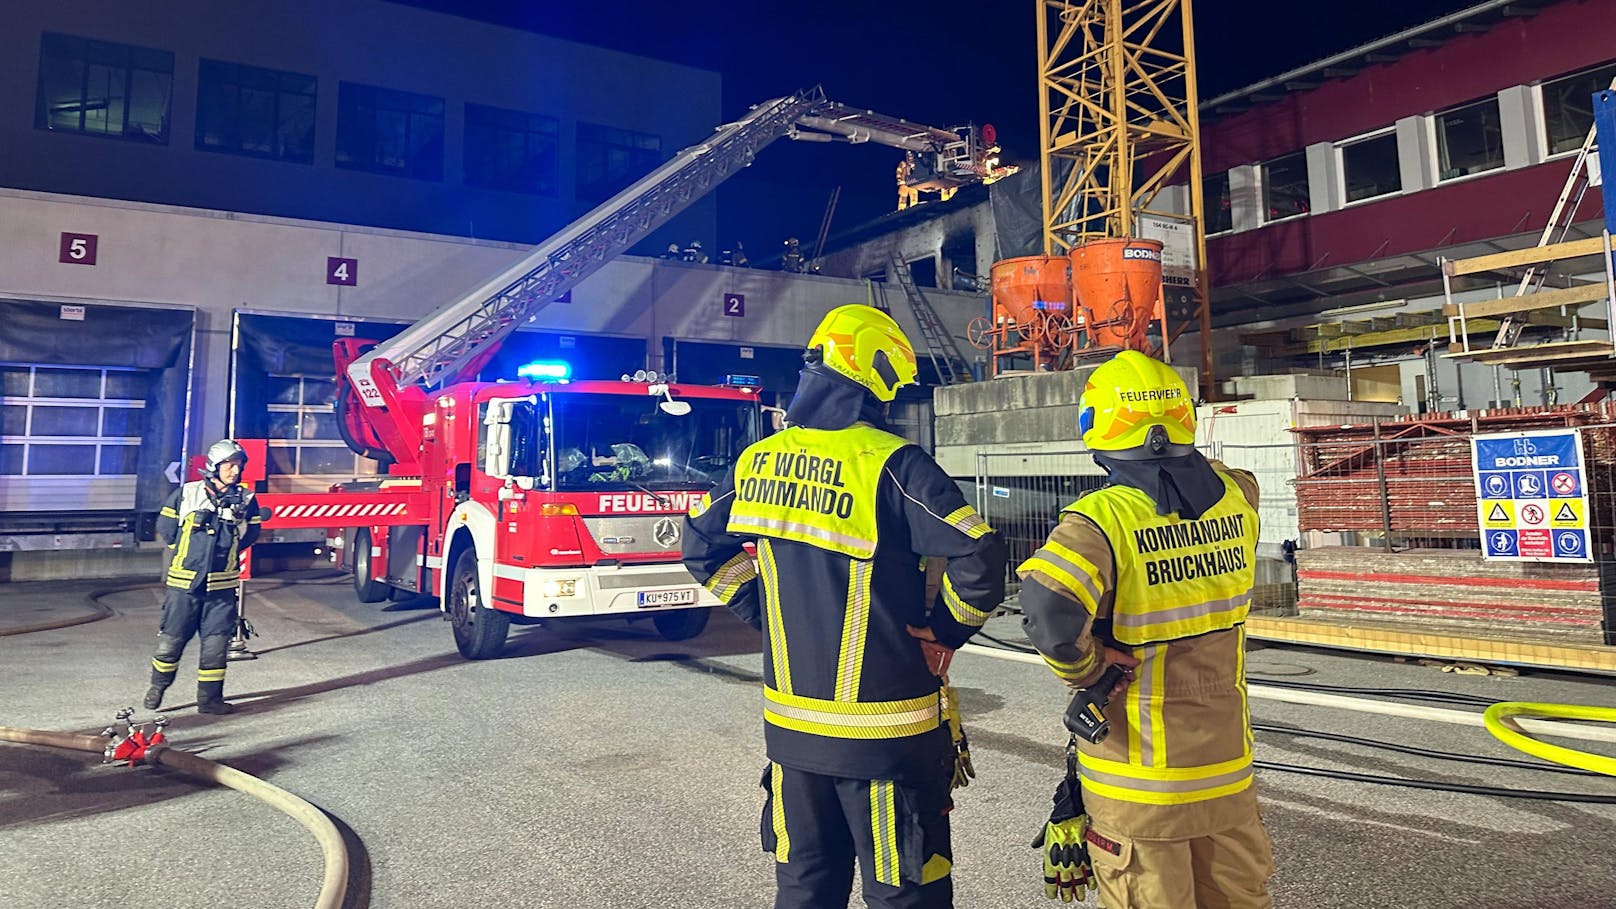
246 110
1370 167
1469 140
389 132
508 149
1568 110
1284 188
104 89
70 421
1219 214
303 436
609 160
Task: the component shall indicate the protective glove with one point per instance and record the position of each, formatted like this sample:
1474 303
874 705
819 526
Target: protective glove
1068 875
964 770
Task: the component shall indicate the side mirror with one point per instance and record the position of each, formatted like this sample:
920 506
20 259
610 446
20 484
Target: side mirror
777 417
675 408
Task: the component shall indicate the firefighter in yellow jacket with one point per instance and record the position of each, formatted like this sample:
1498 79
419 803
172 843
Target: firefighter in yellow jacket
208 524
1154 571
841 513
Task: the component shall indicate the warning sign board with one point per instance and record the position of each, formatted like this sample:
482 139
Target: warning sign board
1531 496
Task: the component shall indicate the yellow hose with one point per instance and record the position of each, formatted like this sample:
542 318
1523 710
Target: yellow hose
1495 716
333 885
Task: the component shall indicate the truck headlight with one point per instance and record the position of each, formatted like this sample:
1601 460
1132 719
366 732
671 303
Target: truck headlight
562 587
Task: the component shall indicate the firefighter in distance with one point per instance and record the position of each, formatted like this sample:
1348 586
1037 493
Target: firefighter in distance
208 524
842 513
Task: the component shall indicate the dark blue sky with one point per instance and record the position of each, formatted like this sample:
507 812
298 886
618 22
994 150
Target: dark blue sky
940 62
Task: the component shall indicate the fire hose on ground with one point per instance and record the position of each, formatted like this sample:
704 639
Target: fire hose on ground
1493 719
334 884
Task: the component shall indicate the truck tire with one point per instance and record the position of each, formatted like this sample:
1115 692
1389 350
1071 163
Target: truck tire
479 630
368 591
681 625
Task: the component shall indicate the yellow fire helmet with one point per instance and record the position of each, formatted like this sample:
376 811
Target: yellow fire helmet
865 345
1125 401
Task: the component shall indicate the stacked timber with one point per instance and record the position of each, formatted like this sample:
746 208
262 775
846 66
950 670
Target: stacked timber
1451 590
1423 464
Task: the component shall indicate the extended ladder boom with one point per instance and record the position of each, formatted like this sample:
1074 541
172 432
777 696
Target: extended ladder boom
434 350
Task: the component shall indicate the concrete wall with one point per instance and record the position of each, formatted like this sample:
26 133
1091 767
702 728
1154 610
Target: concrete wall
1032 413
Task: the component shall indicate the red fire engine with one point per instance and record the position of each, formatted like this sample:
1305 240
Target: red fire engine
545 498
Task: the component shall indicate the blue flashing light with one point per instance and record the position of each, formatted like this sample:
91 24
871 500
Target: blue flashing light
545 369
747 381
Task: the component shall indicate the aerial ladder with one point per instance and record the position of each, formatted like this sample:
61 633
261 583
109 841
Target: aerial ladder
393 377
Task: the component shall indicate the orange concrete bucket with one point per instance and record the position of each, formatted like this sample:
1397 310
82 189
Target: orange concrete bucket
1030 287
1119 282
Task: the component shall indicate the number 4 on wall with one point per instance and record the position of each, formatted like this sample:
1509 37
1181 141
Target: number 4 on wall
341 271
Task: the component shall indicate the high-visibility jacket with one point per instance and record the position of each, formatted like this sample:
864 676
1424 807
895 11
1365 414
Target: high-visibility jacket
206 547
841 520
1174 594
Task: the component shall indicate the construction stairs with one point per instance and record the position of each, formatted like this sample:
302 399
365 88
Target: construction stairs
1533 303
947 360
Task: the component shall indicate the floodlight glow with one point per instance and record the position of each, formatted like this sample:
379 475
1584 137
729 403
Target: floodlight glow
545 369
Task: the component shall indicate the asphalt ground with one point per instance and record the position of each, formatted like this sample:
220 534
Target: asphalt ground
595 765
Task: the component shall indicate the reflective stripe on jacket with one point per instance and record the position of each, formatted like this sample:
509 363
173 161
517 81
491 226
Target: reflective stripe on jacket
846 688
1174 594
206 550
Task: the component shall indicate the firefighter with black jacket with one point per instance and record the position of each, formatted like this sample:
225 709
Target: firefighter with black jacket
842 513
1153 573
207 524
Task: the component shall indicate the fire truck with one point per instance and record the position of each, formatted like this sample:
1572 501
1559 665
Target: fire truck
542 497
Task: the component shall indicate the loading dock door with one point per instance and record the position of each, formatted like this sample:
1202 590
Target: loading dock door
92 413
708 363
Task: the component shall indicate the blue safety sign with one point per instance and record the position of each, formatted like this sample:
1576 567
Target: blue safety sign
1570 544
1502 543
1532 496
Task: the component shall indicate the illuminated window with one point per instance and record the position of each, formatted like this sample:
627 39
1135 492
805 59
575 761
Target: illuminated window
1284 188
610 160
104 89
389 132
1370 167
70 421
1219 214
1469 140
303 436
1568 107
264 113
508 149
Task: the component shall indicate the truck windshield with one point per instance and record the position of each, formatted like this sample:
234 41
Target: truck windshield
628 442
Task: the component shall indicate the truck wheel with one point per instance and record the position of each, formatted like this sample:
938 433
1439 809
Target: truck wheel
367 590
681 625
479 630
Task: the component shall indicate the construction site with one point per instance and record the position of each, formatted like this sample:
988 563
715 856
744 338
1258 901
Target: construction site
455 326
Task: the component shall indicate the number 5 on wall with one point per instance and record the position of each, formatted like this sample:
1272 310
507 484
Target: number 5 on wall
77 249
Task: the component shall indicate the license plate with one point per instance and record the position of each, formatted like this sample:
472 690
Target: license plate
682 597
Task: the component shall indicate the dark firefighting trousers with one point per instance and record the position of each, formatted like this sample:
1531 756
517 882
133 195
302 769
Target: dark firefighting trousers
212 616
817 826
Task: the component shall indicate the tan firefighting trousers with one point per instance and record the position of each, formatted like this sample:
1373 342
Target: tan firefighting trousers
1227 870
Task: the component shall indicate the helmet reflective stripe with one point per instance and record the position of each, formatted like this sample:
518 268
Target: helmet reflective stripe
1128 397
865 345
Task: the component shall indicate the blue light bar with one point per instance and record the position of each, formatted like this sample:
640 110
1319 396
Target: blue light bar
750 381
545 369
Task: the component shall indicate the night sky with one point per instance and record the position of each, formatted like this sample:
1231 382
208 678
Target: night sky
939 62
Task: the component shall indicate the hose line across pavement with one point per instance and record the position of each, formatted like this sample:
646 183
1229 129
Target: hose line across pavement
1496 715
335 882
